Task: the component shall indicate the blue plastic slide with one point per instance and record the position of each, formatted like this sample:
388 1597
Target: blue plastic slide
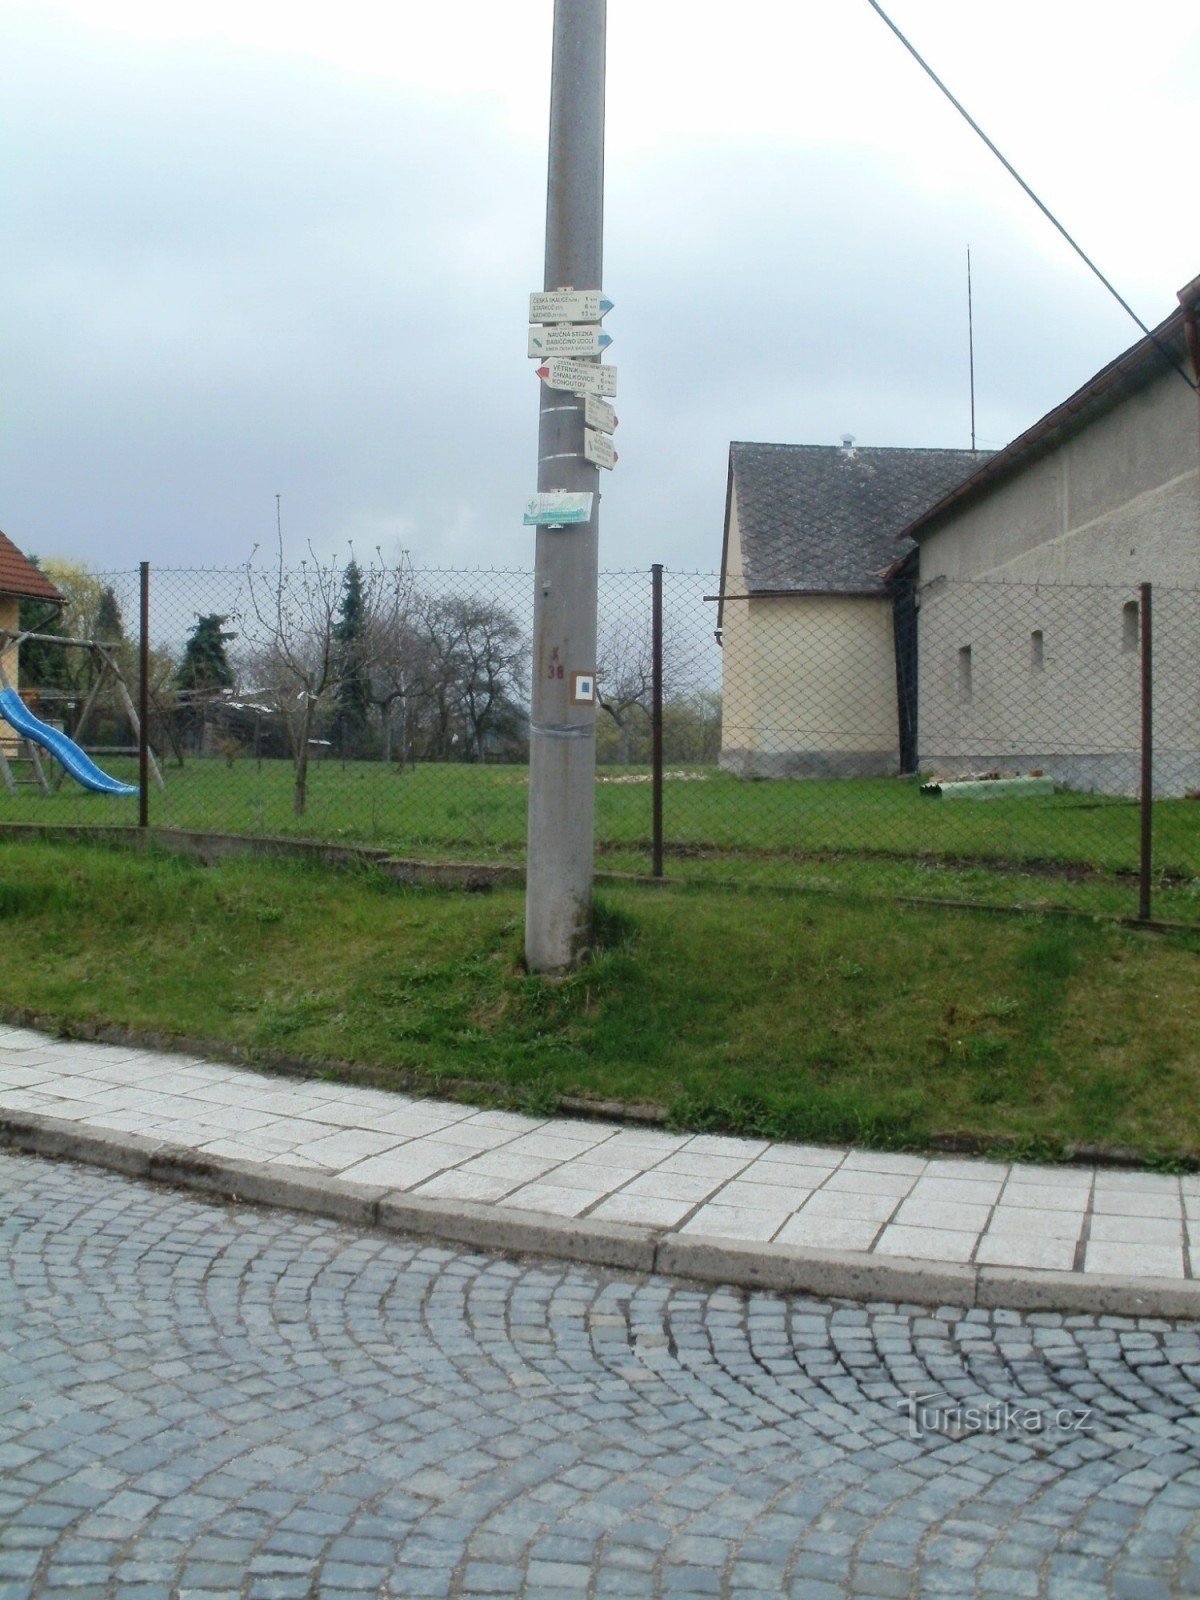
77 762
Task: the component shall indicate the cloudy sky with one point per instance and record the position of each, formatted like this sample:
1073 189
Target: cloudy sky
253 249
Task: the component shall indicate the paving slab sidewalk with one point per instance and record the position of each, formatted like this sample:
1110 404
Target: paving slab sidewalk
860 1223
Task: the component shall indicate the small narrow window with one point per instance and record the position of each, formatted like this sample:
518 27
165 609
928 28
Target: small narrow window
1037 651
1129 625
964 673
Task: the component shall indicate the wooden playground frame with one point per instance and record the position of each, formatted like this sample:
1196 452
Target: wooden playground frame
108 675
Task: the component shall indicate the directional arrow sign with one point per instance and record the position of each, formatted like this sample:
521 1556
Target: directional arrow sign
598 414
568 340
559 509
579 377
569 305
598 447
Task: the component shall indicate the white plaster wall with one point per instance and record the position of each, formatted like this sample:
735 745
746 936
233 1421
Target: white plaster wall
1118 503
810 688
738 719
1061 550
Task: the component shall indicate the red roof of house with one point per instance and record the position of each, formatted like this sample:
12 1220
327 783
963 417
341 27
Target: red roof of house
19 576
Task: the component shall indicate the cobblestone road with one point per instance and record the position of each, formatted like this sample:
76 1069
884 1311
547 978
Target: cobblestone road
205 1401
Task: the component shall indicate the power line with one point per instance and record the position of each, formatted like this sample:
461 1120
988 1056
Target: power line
1043 208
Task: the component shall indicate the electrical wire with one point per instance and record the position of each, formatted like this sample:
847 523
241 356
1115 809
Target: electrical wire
1044 209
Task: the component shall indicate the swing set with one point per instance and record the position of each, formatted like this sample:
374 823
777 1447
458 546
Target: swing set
36 735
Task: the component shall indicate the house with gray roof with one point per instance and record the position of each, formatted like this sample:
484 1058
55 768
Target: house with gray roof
815 618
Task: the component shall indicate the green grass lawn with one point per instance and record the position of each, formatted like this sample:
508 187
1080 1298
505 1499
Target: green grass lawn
793 1016
859 836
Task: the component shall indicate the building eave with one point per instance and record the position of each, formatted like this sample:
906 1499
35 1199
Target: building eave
1129 373
725 543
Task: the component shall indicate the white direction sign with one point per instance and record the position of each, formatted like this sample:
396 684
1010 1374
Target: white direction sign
568 340
598 448
578 377
569 305
558 509
599 414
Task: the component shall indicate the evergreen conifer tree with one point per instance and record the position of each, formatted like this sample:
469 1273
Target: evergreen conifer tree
353 688
110 626
205 666
203 673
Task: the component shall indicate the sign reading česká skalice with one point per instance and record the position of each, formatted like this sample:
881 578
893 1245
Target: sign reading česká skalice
569 305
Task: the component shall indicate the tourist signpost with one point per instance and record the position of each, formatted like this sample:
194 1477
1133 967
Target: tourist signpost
562 722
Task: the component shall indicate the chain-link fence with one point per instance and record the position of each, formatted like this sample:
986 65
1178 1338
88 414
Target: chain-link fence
973 740
979 742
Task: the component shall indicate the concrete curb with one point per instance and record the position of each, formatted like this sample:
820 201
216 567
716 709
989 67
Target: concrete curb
535 1233
836 1274
833 1274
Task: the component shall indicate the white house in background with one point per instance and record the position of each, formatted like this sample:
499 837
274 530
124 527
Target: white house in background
1028 632
818 653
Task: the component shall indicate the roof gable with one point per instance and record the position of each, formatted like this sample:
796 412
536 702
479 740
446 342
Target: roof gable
824 519
1170 344
19 576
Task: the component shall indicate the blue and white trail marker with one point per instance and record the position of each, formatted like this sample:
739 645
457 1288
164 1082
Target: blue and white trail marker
568 339
569 305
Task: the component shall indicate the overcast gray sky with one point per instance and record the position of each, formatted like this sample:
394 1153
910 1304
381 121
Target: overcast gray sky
253 248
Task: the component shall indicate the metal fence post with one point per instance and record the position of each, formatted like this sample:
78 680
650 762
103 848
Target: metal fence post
144 696
1147 776
656 713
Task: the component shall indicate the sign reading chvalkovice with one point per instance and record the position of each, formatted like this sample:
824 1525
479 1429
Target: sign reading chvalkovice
578 377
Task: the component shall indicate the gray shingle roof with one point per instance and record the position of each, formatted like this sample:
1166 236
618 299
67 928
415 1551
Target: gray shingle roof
825 518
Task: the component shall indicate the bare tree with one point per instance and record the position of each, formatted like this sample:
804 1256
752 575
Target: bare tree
393 649
625 677
470 666
291 620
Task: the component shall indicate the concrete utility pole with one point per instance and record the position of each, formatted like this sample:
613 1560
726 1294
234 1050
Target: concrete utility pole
562 743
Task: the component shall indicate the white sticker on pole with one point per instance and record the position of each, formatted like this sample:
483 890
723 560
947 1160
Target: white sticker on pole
569 305
584 339
598 448
578 377
598 414
558 510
